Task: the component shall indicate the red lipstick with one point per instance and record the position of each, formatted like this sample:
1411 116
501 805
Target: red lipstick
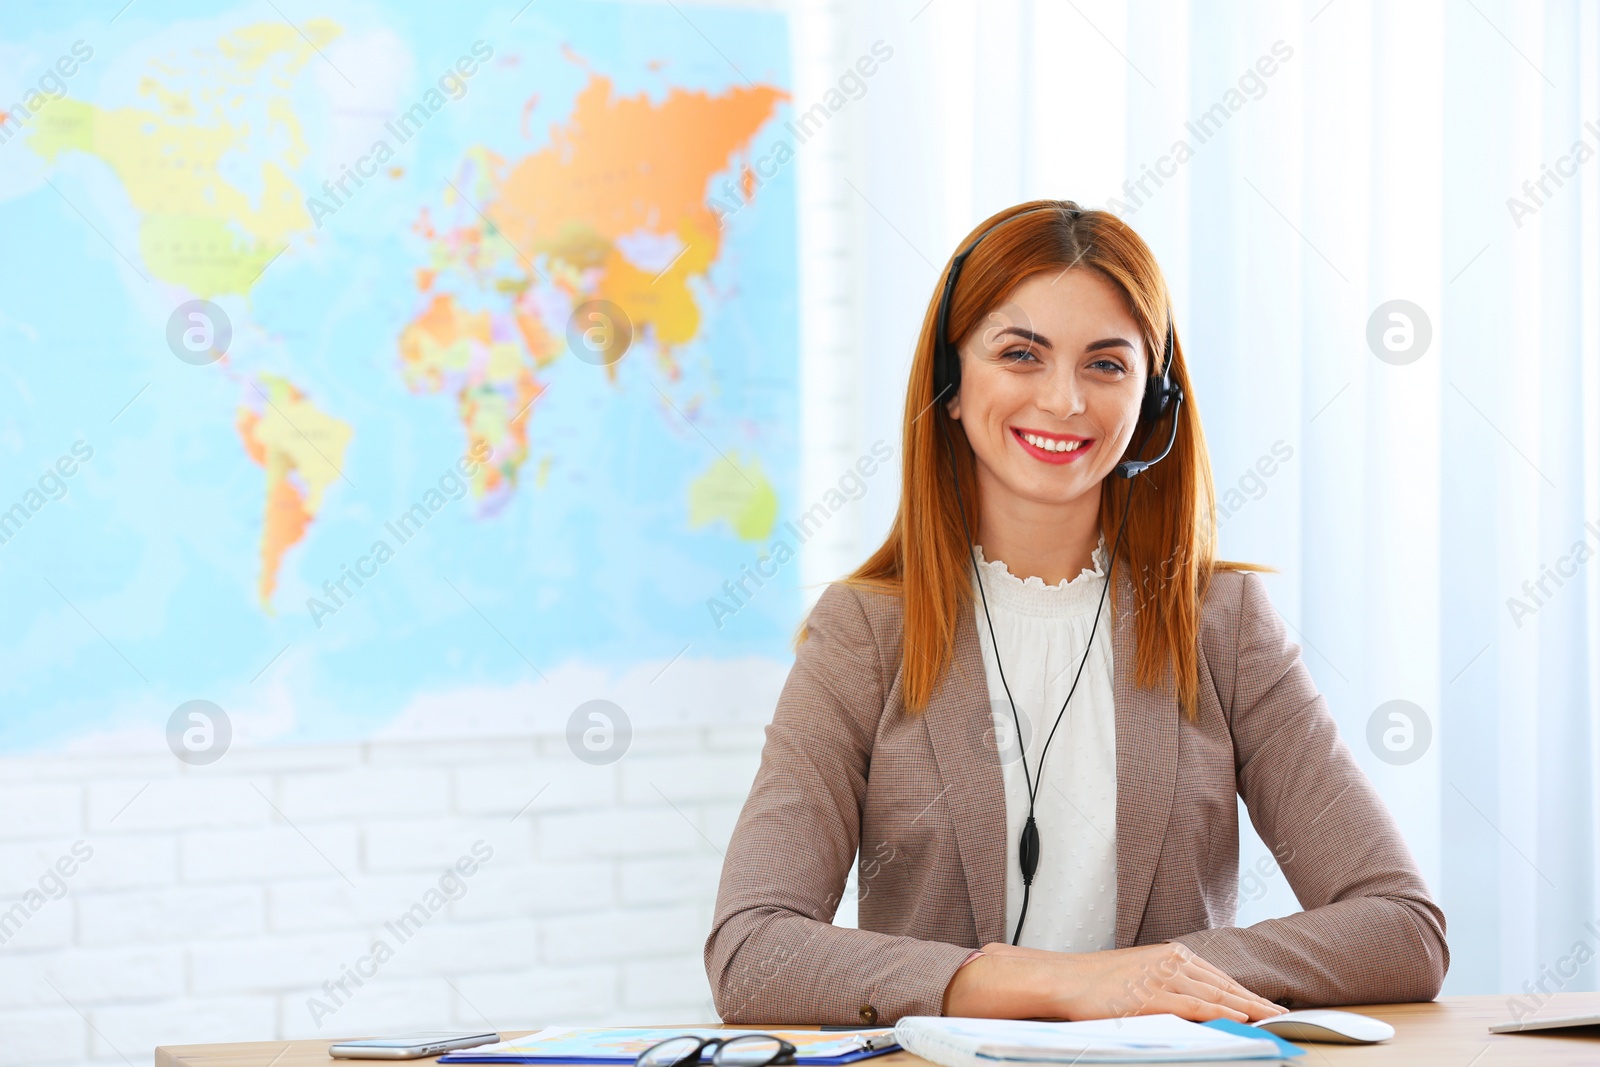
1057 448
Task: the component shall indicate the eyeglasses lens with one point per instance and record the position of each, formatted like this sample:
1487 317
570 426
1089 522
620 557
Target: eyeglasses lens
753 1050
671 1052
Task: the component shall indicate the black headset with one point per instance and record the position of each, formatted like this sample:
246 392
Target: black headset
1161 394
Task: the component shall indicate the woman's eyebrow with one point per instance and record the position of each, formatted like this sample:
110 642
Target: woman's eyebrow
1108 342
1026 335
1044 342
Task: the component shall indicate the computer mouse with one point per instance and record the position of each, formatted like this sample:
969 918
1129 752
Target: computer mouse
1323 1024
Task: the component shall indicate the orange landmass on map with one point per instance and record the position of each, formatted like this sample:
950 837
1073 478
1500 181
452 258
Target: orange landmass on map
619 166
448 346
300 448
617 169
285 525
440 340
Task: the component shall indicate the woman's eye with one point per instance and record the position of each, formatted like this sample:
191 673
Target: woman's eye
1019 355
1109 364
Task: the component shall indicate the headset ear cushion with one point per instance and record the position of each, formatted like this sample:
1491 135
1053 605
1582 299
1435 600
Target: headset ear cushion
1154 401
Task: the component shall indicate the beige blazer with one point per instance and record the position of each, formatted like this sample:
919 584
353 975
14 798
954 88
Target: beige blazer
846 772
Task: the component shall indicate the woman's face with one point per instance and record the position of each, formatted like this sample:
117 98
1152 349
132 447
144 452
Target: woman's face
1051 384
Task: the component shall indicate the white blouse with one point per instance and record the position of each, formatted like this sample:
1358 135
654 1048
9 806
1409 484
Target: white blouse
1042 631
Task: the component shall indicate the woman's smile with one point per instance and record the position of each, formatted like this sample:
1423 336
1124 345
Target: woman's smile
1052 447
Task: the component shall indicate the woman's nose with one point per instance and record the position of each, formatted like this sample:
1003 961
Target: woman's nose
1060 396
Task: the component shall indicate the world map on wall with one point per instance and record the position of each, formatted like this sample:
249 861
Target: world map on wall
392 372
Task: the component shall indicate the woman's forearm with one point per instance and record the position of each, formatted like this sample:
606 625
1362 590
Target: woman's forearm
769 966
1008 982
1363 950
996 987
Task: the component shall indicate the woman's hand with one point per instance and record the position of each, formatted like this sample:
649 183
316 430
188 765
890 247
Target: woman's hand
1011 982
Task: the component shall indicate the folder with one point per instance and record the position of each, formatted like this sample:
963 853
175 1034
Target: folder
622 1045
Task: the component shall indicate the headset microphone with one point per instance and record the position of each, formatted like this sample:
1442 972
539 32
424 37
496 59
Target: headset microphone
1162 396
1128 468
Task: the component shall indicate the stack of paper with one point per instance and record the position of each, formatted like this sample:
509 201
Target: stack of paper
955 1042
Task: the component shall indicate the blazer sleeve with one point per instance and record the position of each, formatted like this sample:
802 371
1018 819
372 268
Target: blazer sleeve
1370 933
773 955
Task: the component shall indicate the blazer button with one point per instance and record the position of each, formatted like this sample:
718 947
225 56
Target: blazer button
868 1015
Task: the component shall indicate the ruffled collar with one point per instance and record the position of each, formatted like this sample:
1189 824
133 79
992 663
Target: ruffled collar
1031 596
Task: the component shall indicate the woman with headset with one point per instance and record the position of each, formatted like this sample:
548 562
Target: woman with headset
1042 798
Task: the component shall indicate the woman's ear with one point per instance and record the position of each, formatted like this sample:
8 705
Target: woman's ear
953 406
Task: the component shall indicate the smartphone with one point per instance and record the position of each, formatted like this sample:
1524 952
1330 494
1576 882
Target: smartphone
411 1046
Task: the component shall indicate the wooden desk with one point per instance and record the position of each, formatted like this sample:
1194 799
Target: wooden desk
1449 1032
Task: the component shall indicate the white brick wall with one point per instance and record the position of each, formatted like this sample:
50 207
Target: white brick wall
219 899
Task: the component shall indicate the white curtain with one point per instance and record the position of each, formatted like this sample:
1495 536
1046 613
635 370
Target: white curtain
1434 511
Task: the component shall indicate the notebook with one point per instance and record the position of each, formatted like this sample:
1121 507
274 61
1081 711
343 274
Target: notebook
954 1042
622 1045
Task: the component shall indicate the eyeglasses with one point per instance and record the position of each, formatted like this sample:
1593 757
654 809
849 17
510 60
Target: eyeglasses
746 1050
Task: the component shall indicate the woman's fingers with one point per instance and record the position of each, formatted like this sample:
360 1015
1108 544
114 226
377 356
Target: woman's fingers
1178 970
1248 1005
1211 976
1196 1009
1205 970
